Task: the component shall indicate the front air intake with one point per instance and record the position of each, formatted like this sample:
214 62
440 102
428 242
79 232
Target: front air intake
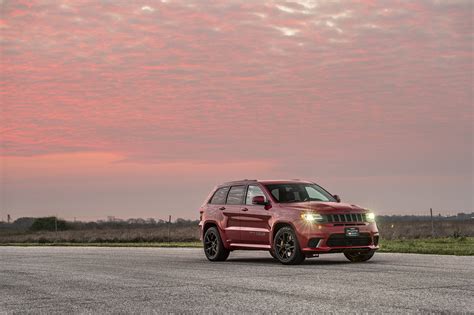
336 240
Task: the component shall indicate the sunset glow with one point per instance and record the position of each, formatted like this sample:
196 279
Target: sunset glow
137 109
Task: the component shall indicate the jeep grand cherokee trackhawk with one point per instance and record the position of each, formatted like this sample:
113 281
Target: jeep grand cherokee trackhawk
292 219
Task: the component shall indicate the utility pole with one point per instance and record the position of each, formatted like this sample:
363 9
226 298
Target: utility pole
8 218
56 226
169 229
432 223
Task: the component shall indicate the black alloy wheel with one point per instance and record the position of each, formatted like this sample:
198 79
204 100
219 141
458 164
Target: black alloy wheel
213 247
286 247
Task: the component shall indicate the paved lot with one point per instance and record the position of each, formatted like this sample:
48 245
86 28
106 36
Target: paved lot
75 279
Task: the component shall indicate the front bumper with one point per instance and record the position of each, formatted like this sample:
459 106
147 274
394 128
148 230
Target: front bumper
331 238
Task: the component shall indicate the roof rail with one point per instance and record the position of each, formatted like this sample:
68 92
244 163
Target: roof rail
239 181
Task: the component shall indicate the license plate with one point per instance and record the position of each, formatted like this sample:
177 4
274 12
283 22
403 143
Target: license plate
352 231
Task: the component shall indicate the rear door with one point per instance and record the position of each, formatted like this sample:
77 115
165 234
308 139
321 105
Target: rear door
233 213
255 225
229 222
228 201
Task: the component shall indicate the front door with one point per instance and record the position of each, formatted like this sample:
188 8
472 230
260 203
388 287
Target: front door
255 228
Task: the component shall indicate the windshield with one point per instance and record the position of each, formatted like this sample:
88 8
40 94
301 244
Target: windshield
298 192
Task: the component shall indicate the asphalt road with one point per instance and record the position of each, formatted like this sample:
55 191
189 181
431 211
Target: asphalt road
146 280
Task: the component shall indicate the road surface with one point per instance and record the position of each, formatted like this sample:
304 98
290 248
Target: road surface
159 280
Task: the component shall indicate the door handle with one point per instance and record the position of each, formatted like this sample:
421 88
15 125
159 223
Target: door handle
222 208
244 209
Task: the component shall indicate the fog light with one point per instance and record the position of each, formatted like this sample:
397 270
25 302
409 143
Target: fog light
314 242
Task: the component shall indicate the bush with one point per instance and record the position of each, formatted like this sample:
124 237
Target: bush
48 224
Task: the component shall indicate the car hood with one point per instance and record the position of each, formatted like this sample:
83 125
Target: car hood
324 207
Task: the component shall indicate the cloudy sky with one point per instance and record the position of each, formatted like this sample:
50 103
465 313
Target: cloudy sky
138 108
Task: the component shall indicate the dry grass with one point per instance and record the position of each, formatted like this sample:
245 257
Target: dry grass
421 229
124 235
391 230
194 244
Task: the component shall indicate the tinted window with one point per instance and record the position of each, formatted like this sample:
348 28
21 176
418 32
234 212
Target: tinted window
252 192
295 192
236 195
219 196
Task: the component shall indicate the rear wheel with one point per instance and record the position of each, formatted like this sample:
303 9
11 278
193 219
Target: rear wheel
286 248
272 254
359 256
213 247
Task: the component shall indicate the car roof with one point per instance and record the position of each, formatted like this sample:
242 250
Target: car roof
264 181
284 181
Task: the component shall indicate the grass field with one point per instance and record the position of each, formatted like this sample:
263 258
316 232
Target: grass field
105 244
463 246
441 246
397 236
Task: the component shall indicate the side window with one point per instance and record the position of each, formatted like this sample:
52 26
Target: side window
219 196
252 192
236 195
276 193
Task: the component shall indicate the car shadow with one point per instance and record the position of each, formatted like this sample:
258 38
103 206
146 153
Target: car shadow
271 261
254 260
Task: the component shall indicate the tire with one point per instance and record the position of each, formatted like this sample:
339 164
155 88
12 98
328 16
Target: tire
272 254
359 256
213 247
286 247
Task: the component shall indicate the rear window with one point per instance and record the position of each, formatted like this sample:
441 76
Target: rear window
219 196
236 195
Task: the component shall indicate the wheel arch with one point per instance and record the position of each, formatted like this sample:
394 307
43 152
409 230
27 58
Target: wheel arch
277 226
208 224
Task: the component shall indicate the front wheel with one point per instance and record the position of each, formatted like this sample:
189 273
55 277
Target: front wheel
359 256
286 247
213 247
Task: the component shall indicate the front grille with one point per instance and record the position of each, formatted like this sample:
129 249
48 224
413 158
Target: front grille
335 240
348 217
349 224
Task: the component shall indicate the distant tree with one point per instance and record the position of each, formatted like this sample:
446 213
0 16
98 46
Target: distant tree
48 224
24 222
150 221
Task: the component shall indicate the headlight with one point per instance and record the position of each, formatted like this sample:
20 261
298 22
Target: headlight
311 217
370 217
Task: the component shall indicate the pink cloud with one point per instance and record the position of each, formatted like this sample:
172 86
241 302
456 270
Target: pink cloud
332 89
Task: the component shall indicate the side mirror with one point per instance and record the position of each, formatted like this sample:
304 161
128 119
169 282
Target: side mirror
338 199
259 200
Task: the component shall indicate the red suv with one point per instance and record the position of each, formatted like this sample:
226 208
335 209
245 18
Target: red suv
292 219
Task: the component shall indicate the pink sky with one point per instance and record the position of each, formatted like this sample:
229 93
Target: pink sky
138 108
